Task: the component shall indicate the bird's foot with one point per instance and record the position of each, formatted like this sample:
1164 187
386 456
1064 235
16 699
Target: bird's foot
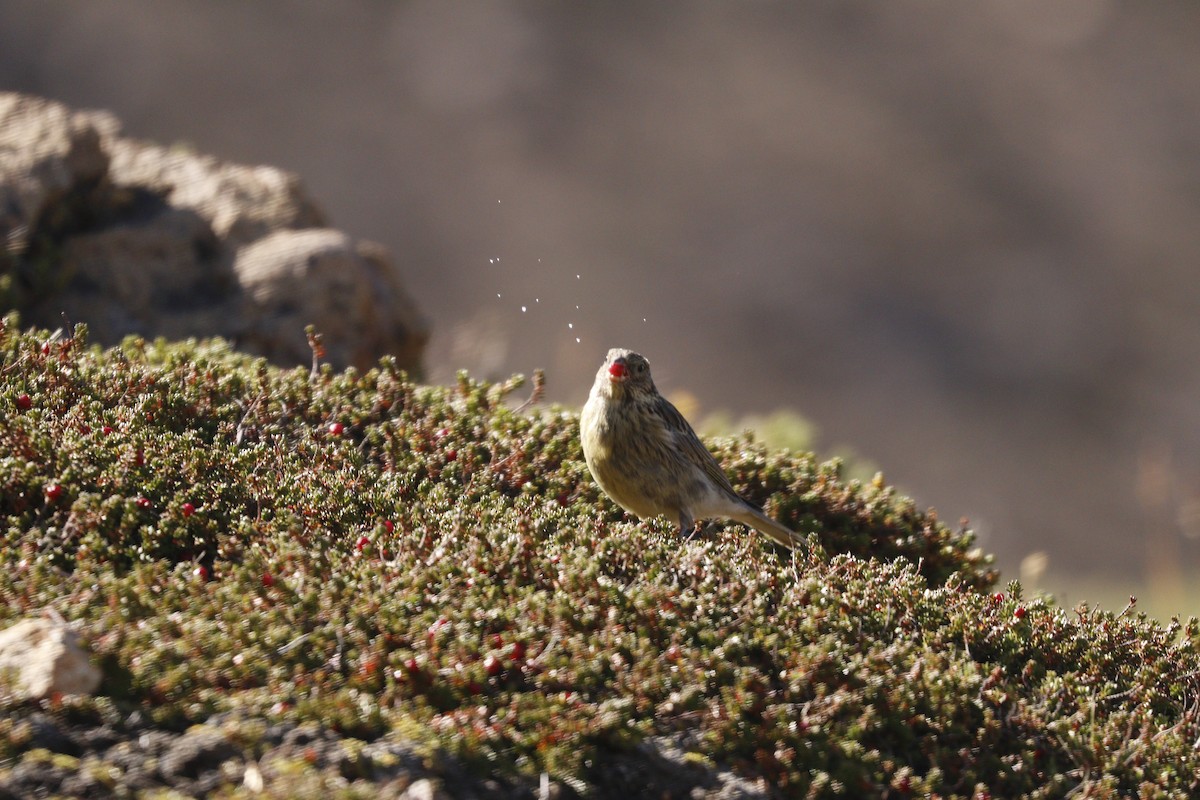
698 530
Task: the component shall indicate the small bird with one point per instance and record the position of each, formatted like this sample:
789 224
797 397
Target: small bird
647 458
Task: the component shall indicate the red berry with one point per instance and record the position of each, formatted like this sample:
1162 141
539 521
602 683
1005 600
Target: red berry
493 666
268 580
617 369
336 429
998 597
1019 612
187 509
674 653
518 651
143 502
387 523
437 626
200 572
362 542
106 430
442 434
497 640
411 666
53 491
451 455
24 402
45 348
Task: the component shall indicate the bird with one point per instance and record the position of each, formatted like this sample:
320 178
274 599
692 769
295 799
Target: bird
646 457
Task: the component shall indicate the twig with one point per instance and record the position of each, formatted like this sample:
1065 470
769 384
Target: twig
293 644
539 390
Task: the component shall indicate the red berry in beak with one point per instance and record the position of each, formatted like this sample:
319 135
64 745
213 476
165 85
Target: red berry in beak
617 370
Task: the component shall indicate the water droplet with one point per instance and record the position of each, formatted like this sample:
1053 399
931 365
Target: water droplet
537 299
497 294
576 277
522 309
576 340
570 324
643 319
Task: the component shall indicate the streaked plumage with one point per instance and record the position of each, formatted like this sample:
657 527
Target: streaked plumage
647 458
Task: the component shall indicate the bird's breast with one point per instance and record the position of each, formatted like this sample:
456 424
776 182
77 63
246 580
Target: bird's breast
596 429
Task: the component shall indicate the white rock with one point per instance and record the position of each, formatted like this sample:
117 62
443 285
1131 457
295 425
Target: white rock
46 659
425 789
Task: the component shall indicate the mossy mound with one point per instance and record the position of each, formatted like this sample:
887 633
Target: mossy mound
428 567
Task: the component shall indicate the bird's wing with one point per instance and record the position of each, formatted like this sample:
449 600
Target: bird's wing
688 443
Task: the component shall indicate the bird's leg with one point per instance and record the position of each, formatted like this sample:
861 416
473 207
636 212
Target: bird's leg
687 526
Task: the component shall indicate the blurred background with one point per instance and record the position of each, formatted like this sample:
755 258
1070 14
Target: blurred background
960 240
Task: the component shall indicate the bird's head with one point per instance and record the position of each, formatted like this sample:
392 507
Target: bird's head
623 373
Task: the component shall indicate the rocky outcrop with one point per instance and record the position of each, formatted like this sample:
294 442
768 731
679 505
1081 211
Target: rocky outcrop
135 238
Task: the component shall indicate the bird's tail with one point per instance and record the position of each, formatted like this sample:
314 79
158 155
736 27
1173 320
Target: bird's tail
756 519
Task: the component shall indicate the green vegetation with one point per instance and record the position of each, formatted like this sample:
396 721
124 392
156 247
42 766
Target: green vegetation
427 564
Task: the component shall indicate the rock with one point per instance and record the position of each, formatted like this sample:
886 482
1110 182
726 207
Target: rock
46 659
89 780
227 755
346 289
134 238
46 153
35 778
660 767
194 752
135 764
48 734
157 274
240 203
425 789
52 173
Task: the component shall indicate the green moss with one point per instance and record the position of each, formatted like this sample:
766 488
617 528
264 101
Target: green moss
439 567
